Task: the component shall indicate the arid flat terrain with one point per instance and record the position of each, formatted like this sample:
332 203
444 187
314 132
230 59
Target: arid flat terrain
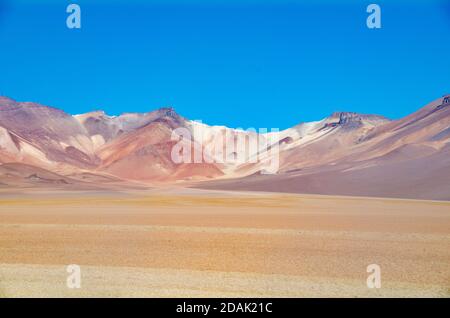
195 243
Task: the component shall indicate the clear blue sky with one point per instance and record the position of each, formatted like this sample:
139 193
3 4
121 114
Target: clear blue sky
238 63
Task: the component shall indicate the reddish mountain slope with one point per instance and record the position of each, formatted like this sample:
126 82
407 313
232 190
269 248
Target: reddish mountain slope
346 153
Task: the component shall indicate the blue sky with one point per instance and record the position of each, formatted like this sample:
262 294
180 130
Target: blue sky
238 63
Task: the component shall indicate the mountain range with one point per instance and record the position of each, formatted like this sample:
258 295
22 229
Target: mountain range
343 154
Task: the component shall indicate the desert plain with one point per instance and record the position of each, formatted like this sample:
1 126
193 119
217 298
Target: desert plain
203 243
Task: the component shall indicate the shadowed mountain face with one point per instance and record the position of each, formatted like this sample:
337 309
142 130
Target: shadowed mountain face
44 136
345 153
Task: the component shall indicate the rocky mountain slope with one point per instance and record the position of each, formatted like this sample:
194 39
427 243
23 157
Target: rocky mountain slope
407 158
345 153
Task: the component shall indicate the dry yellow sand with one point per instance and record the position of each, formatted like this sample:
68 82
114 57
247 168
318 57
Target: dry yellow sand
200 243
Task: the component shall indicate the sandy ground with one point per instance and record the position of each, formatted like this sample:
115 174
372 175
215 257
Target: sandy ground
194 243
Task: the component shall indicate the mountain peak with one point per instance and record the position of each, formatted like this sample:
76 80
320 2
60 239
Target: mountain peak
169 116
94 113
353 120
346 116
168 111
